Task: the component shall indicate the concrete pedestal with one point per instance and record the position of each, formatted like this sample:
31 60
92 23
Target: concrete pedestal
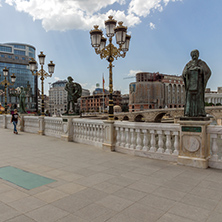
67 128
108 143
194 142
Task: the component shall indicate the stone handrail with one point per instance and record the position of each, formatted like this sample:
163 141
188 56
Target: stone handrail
216 155
153 140
159 141
88 131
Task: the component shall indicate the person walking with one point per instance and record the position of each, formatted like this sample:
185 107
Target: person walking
14 120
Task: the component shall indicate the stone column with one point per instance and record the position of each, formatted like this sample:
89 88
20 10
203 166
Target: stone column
67 128
22 123
4 121
194 142
109 139
41 126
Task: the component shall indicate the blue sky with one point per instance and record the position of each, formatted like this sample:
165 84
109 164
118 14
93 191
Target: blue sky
164 32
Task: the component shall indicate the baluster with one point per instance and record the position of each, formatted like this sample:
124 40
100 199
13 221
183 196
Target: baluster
88 132
117 136
145 141
176 143
76 130
101 133
122 137
127 138
138 140
84 131
160 141
97 133
152 141
94 132
214 148
168 143
132 145
91 132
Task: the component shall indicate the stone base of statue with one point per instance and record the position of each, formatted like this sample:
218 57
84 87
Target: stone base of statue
67 127
194 142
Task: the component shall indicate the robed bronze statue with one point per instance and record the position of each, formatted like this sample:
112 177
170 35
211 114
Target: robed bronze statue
195 75
22 98
74 91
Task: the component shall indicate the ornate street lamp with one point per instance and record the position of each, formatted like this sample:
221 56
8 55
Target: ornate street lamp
110 52
6 83
42 73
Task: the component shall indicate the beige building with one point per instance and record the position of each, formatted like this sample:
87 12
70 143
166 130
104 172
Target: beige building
214 97
156 91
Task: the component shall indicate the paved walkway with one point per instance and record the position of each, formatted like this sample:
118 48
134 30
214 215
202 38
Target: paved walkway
95 185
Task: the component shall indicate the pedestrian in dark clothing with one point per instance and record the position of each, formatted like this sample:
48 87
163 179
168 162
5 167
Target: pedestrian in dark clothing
14 120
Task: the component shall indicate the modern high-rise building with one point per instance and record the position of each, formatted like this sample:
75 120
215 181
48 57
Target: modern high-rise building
16 56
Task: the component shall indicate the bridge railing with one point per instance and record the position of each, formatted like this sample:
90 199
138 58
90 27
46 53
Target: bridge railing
216 146
53 126
30 124
158 141
88 131
153 140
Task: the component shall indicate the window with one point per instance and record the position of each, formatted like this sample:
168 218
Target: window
19 52
19 46
5 49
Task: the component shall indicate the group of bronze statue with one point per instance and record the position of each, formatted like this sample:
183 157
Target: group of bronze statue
195 75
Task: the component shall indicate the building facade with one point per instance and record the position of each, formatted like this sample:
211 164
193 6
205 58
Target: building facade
213 97
99 101
58 98
155 91
15 57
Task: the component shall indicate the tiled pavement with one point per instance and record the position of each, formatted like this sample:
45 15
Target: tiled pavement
95 185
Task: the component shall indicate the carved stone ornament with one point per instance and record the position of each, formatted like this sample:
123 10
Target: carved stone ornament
191 144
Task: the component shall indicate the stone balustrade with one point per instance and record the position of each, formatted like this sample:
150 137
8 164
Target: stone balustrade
152 140
216 142
159 141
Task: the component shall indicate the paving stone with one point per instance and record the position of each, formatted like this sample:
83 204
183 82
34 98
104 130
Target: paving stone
201 202
21 218
173 218
7 212
190 212
51 195
27 204
92 211
130 194
47 213
115 203
157 202
143 213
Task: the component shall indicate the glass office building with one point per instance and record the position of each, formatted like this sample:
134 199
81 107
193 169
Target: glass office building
15 57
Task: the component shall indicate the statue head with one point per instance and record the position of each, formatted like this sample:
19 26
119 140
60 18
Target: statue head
70 79
194 54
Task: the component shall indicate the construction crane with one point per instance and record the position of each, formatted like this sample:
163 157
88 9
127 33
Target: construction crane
129 77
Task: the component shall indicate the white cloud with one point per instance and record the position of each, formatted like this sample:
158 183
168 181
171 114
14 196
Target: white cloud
57 78
152 26
133 72
83 14
144 7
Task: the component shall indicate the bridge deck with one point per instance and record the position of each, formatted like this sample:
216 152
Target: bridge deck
94 185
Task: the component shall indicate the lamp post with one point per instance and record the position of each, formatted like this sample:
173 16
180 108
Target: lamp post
6 83
110 52
42 73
